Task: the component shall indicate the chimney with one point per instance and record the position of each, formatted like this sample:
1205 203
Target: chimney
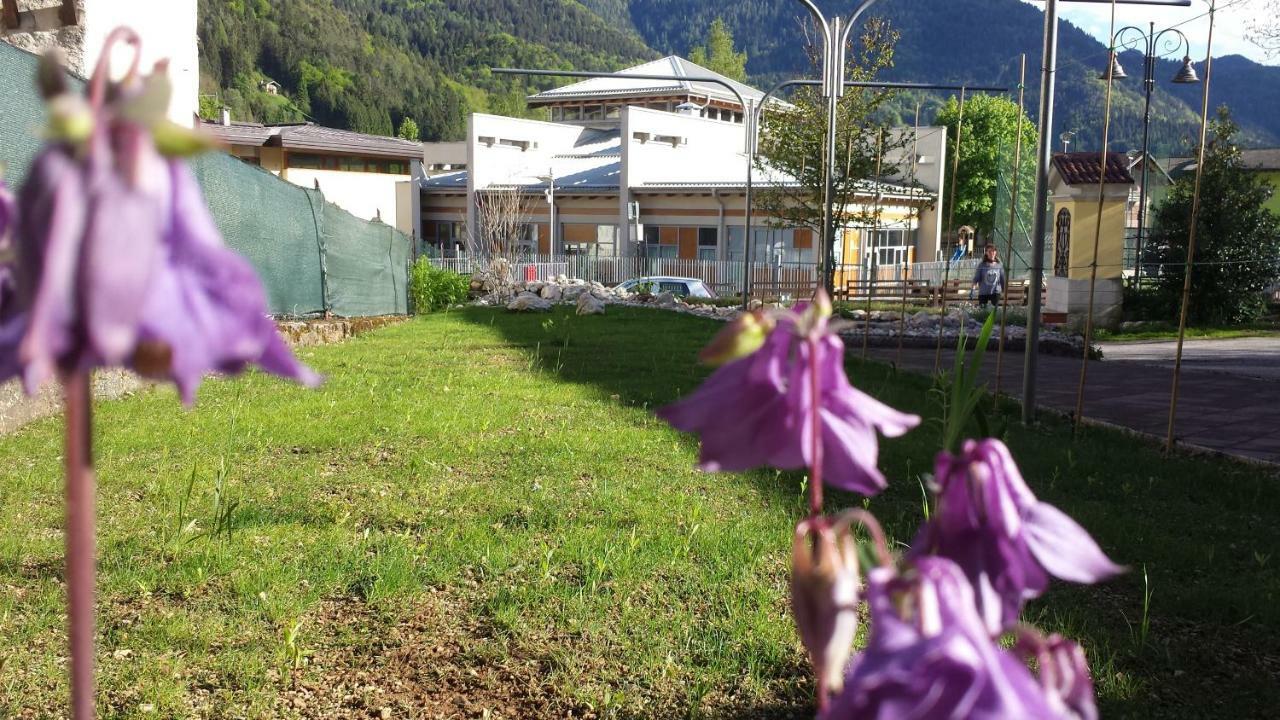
226 116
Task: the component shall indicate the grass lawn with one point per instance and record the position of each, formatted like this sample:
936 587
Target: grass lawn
1169 331
479 512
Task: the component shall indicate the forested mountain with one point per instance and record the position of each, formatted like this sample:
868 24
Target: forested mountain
978 41
366 64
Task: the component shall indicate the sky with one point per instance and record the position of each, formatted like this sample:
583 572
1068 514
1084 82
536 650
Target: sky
1229 35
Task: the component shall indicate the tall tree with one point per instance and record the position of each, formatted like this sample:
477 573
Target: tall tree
987 139
409 130
793 144
1237 238
718 54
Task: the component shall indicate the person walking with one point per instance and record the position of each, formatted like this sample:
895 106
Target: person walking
989 278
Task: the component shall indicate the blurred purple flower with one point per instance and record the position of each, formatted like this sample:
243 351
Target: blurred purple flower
119 262
929 655
824 598
757 410
1064 674
1007 542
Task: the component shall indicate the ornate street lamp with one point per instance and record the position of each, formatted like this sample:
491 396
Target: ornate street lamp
1154 45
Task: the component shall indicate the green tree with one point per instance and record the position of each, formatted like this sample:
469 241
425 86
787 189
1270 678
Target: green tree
409 129
987 139
793 139
1237 238
718 54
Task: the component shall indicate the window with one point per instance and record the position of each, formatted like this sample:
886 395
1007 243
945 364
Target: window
557 114
678 289
734 249
592 112
708 243
1062 244
573 113
612 112
607 240
737 117
661 242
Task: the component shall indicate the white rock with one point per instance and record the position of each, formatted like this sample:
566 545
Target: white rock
528 302
551 292
535 286
562 280
573 292
589 304
665 300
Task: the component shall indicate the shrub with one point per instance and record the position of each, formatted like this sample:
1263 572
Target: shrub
432 288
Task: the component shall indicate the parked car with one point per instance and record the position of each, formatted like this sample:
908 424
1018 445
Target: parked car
678 286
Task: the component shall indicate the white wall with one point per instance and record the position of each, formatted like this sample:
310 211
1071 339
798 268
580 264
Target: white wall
361 194
168 30
709 151
931 170
499 163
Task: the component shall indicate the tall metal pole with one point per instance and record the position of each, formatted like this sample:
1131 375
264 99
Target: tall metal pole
1149 83
875 230
912 218
951 229
1097 228
834 56
1048 70
1191 238
1013 217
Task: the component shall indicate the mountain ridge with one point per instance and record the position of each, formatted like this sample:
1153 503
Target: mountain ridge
367 64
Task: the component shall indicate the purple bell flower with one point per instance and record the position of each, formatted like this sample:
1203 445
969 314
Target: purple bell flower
1007 542
1064 674
757 410
119 263
929 655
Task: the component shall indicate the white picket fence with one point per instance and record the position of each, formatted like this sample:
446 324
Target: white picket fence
724 277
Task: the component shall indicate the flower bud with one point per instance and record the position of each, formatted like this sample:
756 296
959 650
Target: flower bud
741 337
824 599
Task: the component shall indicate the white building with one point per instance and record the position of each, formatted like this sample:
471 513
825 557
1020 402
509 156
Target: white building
658 169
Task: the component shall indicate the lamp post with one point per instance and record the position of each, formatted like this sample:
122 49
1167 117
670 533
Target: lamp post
1048 76
1150 42
835 38
550 179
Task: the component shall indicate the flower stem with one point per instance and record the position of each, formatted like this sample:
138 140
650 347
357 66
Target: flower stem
81 553
868 521
815 432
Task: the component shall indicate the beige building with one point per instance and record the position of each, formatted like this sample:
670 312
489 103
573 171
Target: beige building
1074 180
359 173
658 169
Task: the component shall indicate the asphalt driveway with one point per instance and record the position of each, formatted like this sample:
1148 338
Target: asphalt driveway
1229 400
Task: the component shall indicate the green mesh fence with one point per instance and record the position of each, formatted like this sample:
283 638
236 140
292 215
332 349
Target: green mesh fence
21 113
1015 248
313 257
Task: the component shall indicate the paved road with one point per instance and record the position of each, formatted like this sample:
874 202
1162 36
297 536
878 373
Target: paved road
1255 357
1229 398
